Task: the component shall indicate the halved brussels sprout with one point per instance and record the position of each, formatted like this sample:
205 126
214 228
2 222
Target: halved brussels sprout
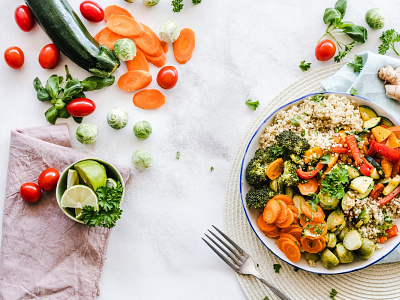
329 260
311 256
345 256
330 240
298 202
348 201
327 202
352 240
366 250
336 221
342 233
86 133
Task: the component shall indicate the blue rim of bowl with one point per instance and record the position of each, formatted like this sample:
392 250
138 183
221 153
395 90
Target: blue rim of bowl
241 180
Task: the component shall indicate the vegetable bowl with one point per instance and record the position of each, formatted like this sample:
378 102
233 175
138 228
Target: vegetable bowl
86 185
341 205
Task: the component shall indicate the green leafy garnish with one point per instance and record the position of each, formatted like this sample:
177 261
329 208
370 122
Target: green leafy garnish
362 215
178 154
317 98
356 63
332 294
252 104
277 150
353 91
388 38
266 298
177 5
303 133
196 1
304 66
337 129
313 202
335 182
277 267
325 159
212 169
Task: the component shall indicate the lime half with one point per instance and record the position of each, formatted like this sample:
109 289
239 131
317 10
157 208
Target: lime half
78 196
78 213
72 178
92 173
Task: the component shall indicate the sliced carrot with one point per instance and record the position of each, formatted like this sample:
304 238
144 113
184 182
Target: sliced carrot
149 42
288 200
293 208
323 241
296 232
282 212
134 80
265 227
97 36
289 220
309 187
387 167
164 46
274 233
139 62
303 220
291 251
275 169
287 238
271 211
311 245
315 230
115 10
312 153
158 61
314 216
184 45
125 26
149 99
108 38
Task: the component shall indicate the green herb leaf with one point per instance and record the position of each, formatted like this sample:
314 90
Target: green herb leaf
78 119
353 91
51 115
332 294
362 215
356 64
277 267
341 6
266 298
334 183
388 38
177 5
331 15
63 113
96 83
303 133
277 150
252 104
52 86
304 66
178 154
72 88
357 33
317 98
342 54
212 169
325 159
196 2
294 122
41 93
337 129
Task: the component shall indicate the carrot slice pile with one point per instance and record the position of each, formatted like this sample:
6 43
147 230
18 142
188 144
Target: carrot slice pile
139 62
264 226
108 38
184 45
315 216
149 99
149 42
291 251
134 80
288 200
271 211
125 26
97 36
115 10
312 245
282 213
158 61
164 46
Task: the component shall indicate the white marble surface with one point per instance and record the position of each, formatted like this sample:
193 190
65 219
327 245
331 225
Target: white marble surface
255 47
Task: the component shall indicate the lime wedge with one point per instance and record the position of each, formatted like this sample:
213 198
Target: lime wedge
78 213
72 178
78 196
92 173
111 183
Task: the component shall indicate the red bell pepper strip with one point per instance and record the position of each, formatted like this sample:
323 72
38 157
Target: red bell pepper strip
307 175
366 162
352 143
392 231
377 191
382 239
391 154
340 149
371 149
396 168
365 170
389 197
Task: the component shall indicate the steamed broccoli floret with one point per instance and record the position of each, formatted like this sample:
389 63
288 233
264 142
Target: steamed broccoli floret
258 198
289 176
292 142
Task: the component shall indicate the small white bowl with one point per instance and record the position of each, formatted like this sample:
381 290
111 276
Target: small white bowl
253 214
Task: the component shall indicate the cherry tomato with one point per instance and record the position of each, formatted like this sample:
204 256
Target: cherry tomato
49 56
30 192
48 179
24 18
325 50
81 107
92 11
14 57
167 77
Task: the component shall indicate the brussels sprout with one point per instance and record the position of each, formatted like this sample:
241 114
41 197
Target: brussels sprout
352 240
289 191
311 256
345 256
336 221
331 240
117 118
298 202
348 201
375 18
142 130
329 260
125 49
327 202
169 32
142 159
366 250
86 133
150 2
342 233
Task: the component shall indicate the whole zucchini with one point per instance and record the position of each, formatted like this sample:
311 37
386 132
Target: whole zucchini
65 29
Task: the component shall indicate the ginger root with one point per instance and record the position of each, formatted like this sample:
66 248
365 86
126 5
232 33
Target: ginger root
392 81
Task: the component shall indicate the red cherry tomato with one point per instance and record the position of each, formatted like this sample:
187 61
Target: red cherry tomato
24 18
92 11
49 56
30 192
325 50
167 77
48 179
14 57
81 107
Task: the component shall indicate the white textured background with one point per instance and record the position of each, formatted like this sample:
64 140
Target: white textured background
242 47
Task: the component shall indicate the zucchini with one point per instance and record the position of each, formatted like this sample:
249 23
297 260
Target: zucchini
385 180
298 201
393 183
65 29
374 174
377 166
353 172
371 123
368 191
386 122
368 111
362 184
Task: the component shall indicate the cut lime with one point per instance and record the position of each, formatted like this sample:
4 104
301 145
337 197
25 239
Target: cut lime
78 196
72 178
92 173
78 213
111 183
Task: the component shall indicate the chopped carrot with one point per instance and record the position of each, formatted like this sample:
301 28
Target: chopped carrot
275 169
158 61
286 237
125 26
289 236
291 251
184 45
282 212
387 167
149 99
289 220
274 233
115 10
377 191
287 229
296 232
293 208
134 80
97 36
265 227
309 187
139 62
396 167
315 229
164 46
149 42
314 216
288 200
271 211
108 38
311 245
323 241
303 220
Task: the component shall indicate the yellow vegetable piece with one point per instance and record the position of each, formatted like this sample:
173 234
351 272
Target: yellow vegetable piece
365 116
380 133
393 141
313 153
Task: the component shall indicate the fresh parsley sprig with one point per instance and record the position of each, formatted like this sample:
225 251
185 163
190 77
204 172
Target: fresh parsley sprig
335 182
356 64
332 294
177 5
277 268
252 104
304 66
388 38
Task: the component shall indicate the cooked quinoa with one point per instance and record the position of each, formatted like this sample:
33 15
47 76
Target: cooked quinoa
315 120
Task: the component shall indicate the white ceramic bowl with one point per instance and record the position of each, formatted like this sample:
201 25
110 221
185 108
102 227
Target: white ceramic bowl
253 214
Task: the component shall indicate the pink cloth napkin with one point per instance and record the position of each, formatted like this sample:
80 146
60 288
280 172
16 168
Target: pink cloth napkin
44 254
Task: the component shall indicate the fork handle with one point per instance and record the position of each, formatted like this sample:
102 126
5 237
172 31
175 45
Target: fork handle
277 292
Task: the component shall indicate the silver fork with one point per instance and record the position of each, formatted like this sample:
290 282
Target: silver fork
241 262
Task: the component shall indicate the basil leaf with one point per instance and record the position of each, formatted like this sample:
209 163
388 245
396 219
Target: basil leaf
331 15
79 95
63 113
78 119
88 85
72 88
345 24
52 86
357 33
96 83
51 115
59 104
341 6
41 93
